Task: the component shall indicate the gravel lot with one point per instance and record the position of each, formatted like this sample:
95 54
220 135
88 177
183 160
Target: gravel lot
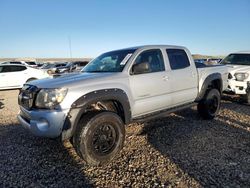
179 150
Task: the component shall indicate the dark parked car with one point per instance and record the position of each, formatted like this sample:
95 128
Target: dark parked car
51 68
71 67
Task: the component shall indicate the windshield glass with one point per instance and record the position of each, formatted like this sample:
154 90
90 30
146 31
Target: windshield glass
31 63
47 66
237 59
113 61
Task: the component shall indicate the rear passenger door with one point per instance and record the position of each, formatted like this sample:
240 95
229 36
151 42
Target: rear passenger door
150 90
183 77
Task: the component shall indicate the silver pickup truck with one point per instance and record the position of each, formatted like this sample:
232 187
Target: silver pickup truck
117 88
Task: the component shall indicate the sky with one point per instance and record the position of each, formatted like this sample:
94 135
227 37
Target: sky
47 28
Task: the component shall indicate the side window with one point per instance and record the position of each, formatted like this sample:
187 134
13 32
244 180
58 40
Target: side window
17 68
1 69
153 59
13 68
178 59
6 69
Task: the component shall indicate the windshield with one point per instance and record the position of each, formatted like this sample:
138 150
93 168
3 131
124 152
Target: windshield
15 62
60 65
31 63
47 66
113 61
237 59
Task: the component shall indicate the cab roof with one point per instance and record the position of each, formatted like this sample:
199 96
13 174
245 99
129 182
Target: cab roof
153 46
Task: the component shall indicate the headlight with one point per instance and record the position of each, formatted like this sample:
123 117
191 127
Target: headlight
241 76
49 98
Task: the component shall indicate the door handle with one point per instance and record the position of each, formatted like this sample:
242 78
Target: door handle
165 78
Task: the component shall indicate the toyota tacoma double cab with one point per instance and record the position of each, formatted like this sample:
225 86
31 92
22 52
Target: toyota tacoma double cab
134 84
239 74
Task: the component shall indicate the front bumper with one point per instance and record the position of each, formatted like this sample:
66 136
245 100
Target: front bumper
45 123
238 87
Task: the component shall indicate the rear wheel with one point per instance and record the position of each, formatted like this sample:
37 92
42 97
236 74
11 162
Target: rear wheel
209 107
99 137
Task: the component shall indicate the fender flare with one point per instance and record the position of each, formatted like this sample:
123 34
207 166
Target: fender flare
207 82
79 107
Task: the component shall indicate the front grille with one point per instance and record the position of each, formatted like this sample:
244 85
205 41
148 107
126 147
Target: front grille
27 96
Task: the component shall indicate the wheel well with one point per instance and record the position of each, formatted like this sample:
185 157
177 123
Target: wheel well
215 84
30 79
213 81
106 105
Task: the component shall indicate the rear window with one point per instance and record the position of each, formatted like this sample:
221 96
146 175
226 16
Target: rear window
178 59
61 65
81 63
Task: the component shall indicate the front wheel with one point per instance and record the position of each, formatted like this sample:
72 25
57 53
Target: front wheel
209 107
247 97
99 137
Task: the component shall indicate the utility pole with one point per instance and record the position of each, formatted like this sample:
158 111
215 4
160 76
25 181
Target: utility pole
70 51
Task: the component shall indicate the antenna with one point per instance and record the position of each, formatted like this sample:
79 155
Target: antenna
70 51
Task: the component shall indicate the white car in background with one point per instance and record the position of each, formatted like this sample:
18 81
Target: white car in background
13 76
26 63
239 74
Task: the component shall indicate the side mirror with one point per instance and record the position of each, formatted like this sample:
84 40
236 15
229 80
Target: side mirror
141 68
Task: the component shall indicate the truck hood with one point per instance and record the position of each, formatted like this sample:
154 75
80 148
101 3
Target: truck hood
238 68
70 80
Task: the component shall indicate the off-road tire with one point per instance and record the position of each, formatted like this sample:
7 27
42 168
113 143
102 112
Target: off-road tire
209 106
90 136
247 98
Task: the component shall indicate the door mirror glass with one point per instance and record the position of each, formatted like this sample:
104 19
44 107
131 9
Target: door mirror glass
141 68
148 61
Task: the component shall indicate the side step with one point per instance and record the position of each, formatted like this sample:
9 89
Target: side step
162 113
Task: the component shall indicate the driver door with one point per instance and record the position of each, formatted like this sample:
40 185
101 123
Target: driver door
150 89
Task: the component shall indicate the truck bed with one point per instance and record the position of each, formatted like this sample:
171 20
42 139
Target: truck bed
205 70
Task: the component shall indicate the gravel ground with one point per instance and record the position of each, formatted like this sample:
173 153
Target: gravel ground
179 150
